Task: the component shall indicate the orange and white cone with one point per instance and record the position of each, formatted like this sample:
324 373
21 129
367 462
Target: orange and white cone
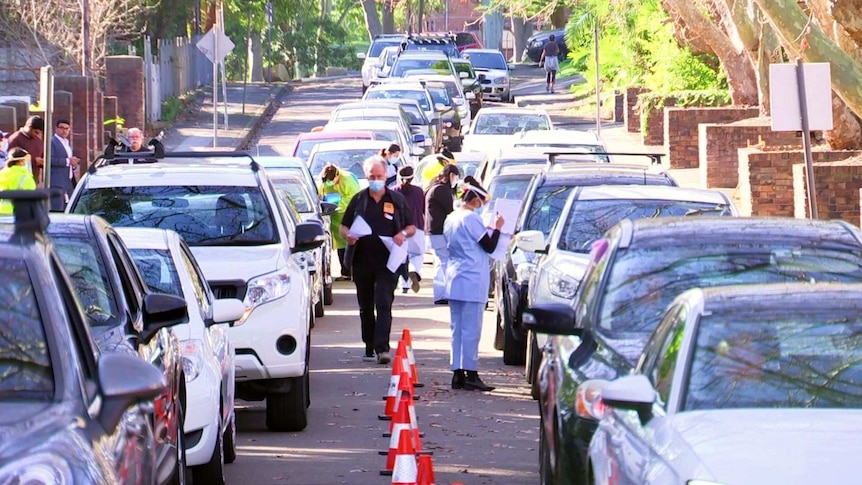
402 354
399 424
405 336
425 470
405 389
405 470
392 394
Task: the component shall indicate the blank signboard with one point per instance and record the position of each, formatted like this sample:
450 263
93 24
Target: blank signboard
784 97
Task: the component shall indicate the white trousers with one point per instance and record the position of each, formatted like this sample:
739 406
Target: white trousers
466 326
441 256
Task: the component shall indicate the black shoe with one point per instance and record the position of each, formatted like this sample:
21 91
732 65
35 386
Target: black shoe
414 280
405 290
369 355
458 379
441 302
473 383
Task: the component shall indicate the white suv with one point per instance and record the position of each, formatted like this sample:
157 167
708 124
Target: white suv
371 59
226 209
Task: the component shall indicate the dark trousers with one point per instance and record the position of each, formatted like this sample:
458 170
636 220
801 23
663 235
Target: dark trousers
375 290
345 271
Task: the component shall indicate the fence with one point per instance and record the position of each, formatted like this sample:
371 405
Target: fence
177 68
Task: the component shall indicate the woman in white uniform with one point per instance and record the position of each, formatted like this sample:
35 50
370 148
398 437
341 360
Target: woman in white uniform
467 282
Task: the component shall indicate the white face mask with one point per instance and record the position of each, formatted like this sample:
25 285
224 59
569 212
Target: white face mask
453 183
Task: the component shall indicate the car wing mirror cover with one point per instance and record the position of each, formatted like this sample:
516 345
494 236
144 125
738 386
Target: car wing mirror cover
554 319
125 380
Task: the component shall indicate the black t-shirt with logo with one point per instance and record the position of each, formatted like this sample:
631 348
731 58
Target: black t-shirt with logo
386 218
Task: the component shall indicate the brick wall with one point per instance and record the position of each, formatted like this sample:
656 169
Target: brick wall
63 107
766 179
8 119
22 112
81 88
124 78
633 116
619 107
99 129
681 132
654 132
109 108
837 185
718 146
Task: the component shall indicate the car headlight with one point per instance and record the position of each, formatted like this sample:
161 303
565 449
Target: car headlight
501 80
192 359
561 285
38 469
264 289
524 271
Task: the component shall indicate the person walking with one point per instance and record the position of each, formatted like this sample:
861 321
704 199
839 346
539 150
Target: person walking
372 215
63 165
15 175
416 248
468 281
391 155
30 139
338 187
550 54
439 203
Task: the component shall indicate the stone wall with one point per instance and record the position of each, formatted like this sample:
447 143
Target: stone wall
837 185
632 115
766 183
124 78
653 132
681 130
82 89
718 146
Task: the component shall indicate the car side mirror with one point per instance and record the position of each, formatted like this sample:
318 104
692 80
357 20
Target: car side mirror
531 242
309 235
633 392
470 95
554 319
360 55
162 311
328 208
125 380
228 310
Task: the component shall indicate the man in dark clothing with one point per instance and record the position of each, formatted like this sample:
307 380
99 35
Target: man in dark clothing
30 139
416 249
439 199
386 214
63 165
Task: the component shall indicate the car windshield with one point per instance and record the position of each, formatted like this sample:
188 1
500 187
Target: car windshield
440 95
158 270
204 215
464 38
350 160
401 94
88 274
384 135
417 117
366 114
588 220
644 280
508 123
487 60
781 358
403 65
305 147
25 363
293 193
378 45
464 67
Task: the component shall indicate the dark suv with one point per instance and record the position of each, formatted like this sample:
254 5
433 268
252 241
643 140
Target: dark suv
112 294
537 42
65 405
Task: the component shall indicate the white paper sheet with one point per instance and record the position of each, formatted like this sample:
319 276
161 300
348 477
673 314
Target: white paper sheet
416 243
360 228
510 209
397 254
499 253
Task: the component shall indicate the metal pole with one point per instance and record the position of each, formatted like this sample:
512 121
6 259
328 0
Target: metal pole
46 78
806 138
598 82
85 37
215 84
247 53
269 13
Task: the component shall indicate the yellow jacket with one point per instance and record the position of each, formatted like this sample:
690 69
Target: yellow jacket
16 177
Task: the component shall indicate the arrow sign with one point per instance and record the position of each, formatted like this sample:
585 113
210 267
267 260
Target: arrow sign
207 45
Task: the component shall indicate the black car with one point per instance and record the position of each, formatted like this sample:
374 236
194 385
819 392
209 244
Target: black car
635 272
545 198
536 43
112 294
68 411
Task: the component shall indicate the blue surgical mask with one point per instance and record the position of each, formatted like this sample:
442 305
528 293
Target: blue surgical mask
376 185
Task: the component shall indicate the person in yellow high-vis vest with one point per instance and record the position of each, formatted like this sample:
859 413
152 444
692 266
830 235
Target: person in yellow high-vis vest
16 175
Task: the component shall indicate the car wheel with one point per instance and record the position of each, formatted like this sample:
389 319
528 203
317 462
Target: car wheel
534 360
212 471
287 411
319 311
514 350
307 362
545 475
181 475
498 335
229 440
327 295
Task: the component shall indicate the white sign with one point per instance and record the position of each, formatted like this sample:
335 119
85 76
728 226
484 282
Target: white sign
784 96
207 45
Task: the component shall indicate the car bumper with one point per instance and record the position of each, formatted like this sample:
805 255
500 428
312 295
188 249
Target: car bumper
495 92
201 419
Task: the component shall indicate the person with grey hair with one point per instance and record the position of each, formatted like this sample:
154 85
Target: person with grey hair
136 140
373 214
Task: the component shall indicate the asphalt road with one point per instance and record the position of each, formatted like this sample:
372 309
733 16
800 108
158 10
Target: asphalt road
477 438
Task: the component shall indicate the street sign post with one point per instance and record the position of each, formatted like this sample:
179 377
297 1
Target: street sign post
811 86
215 45
46 102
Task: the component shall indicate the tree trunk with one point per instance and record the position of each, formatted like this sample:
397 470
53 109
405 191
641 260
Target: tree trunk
372 18
558 16
318 39
255 57
492 28
420 17
847 14
521 30
389 17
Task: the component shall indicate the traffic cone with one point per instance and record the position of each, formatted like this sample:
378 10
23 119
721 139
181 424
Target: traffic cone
405 336
425 470
392 394
405 388
399 424
404 472
401 353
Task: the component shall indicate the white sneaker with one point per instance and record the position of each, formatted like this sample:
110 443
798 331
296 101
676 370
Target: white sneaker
383 358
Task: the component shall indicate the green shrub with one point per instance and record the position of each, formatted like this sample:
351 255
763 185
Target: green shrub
701 98
171 107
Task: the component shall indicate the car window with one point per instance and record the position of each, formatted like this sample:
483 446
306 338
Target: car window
509 187
25 363
440 95
157 268
488 60
199 283
464 67
508 124
464 38
664 367
204 215
88 274
450 49
415 116
546 208
379 44
403 65
292 191
350 160
419 96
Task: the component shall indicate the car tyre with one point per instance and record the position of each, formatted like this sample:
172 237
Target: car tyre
287 411
545 475
534 360
514 350
181 475
212 472
229 440
319 310
327 295
498 335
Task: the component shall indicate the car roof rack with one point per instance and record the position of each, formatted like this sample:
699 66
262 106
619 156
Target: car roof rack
113 157
655 158
30 210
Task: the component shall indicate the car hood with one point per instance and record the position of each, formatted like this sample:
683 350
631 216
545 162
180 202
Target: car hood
220 263
484 143
492 73
787 446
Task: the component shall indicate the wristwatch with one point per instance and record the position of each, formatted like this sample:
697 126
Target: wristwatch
404 233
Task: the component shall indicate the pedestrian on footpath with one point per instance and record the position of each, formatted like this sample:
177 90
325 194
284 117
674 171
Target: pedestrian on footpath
416 245
15 175
391 155
29 137
338 187
468 281
63 165
439 203
373 214
551 62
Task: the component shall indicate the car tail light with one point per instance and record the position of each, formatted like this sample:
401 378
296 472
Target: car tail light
588 399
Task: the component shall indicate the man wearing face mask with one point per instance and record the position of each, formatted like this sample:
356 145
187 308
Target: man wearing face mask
386 214
339 186
416 202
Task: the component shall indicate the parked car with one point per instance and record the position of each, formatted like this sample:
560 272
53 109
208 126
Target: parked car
113 294
536 44
238 229
454 90
467 163
404 91
383 111
494 162
168 266
370 59
464 39
68 410
349 156
494 128
563 140
305 142
438 62
385 133
471 83
385 62
544 203
635 272
493 71
444 43
733 382
418 119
